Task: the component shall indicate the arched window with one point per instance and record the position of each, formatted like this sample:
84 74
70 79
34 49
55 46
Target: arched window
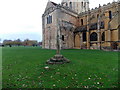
49 19
70 4
93 36
82 4
81 21
103 36
66 4
84 36
63 37
97 15
110 15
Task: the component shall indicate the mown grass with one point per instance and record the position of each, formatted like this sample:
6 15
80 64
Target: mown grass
23 67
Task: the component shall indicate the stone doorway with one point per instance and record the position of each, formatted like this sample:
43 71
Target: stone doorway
77 41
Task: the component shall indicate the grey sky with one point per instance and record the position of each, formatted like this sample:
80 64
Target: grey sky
22 18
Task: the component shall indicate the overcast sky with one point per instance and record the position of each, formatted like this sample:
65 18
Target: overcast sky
22 18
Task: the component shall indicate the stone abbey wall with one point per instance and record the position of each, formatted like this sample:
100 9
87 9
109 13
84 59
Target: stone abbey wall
91 20
94 29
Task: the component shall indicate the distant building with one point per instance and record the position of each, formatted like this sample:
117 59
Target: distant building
80 27
1 44
30 43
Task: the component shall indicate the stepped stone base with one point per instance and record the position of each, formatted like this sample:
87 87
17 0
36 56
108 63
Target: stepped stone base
58 59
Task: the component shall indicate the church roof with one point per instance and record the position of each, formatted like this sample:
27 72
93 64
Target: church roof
50 4
54 3
80 29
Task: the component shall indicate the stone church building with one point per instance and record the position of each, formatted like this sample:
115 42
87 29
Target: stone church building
81 27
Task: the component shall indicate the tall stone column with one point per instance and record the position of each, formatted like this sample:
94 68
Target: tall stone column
109 34
88 39
88 32
43 32
49 30
99 39
98 31
81 39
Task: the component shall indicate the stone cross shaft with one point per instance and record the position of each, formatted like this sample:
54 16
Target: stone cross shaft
58 38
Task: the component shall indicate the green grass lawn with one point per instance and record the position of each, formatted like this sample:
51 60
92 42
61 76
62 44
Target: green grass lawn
23 67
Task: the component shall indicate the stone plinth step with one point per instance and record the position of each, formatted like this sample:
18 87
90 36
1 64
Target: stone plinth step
58 59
